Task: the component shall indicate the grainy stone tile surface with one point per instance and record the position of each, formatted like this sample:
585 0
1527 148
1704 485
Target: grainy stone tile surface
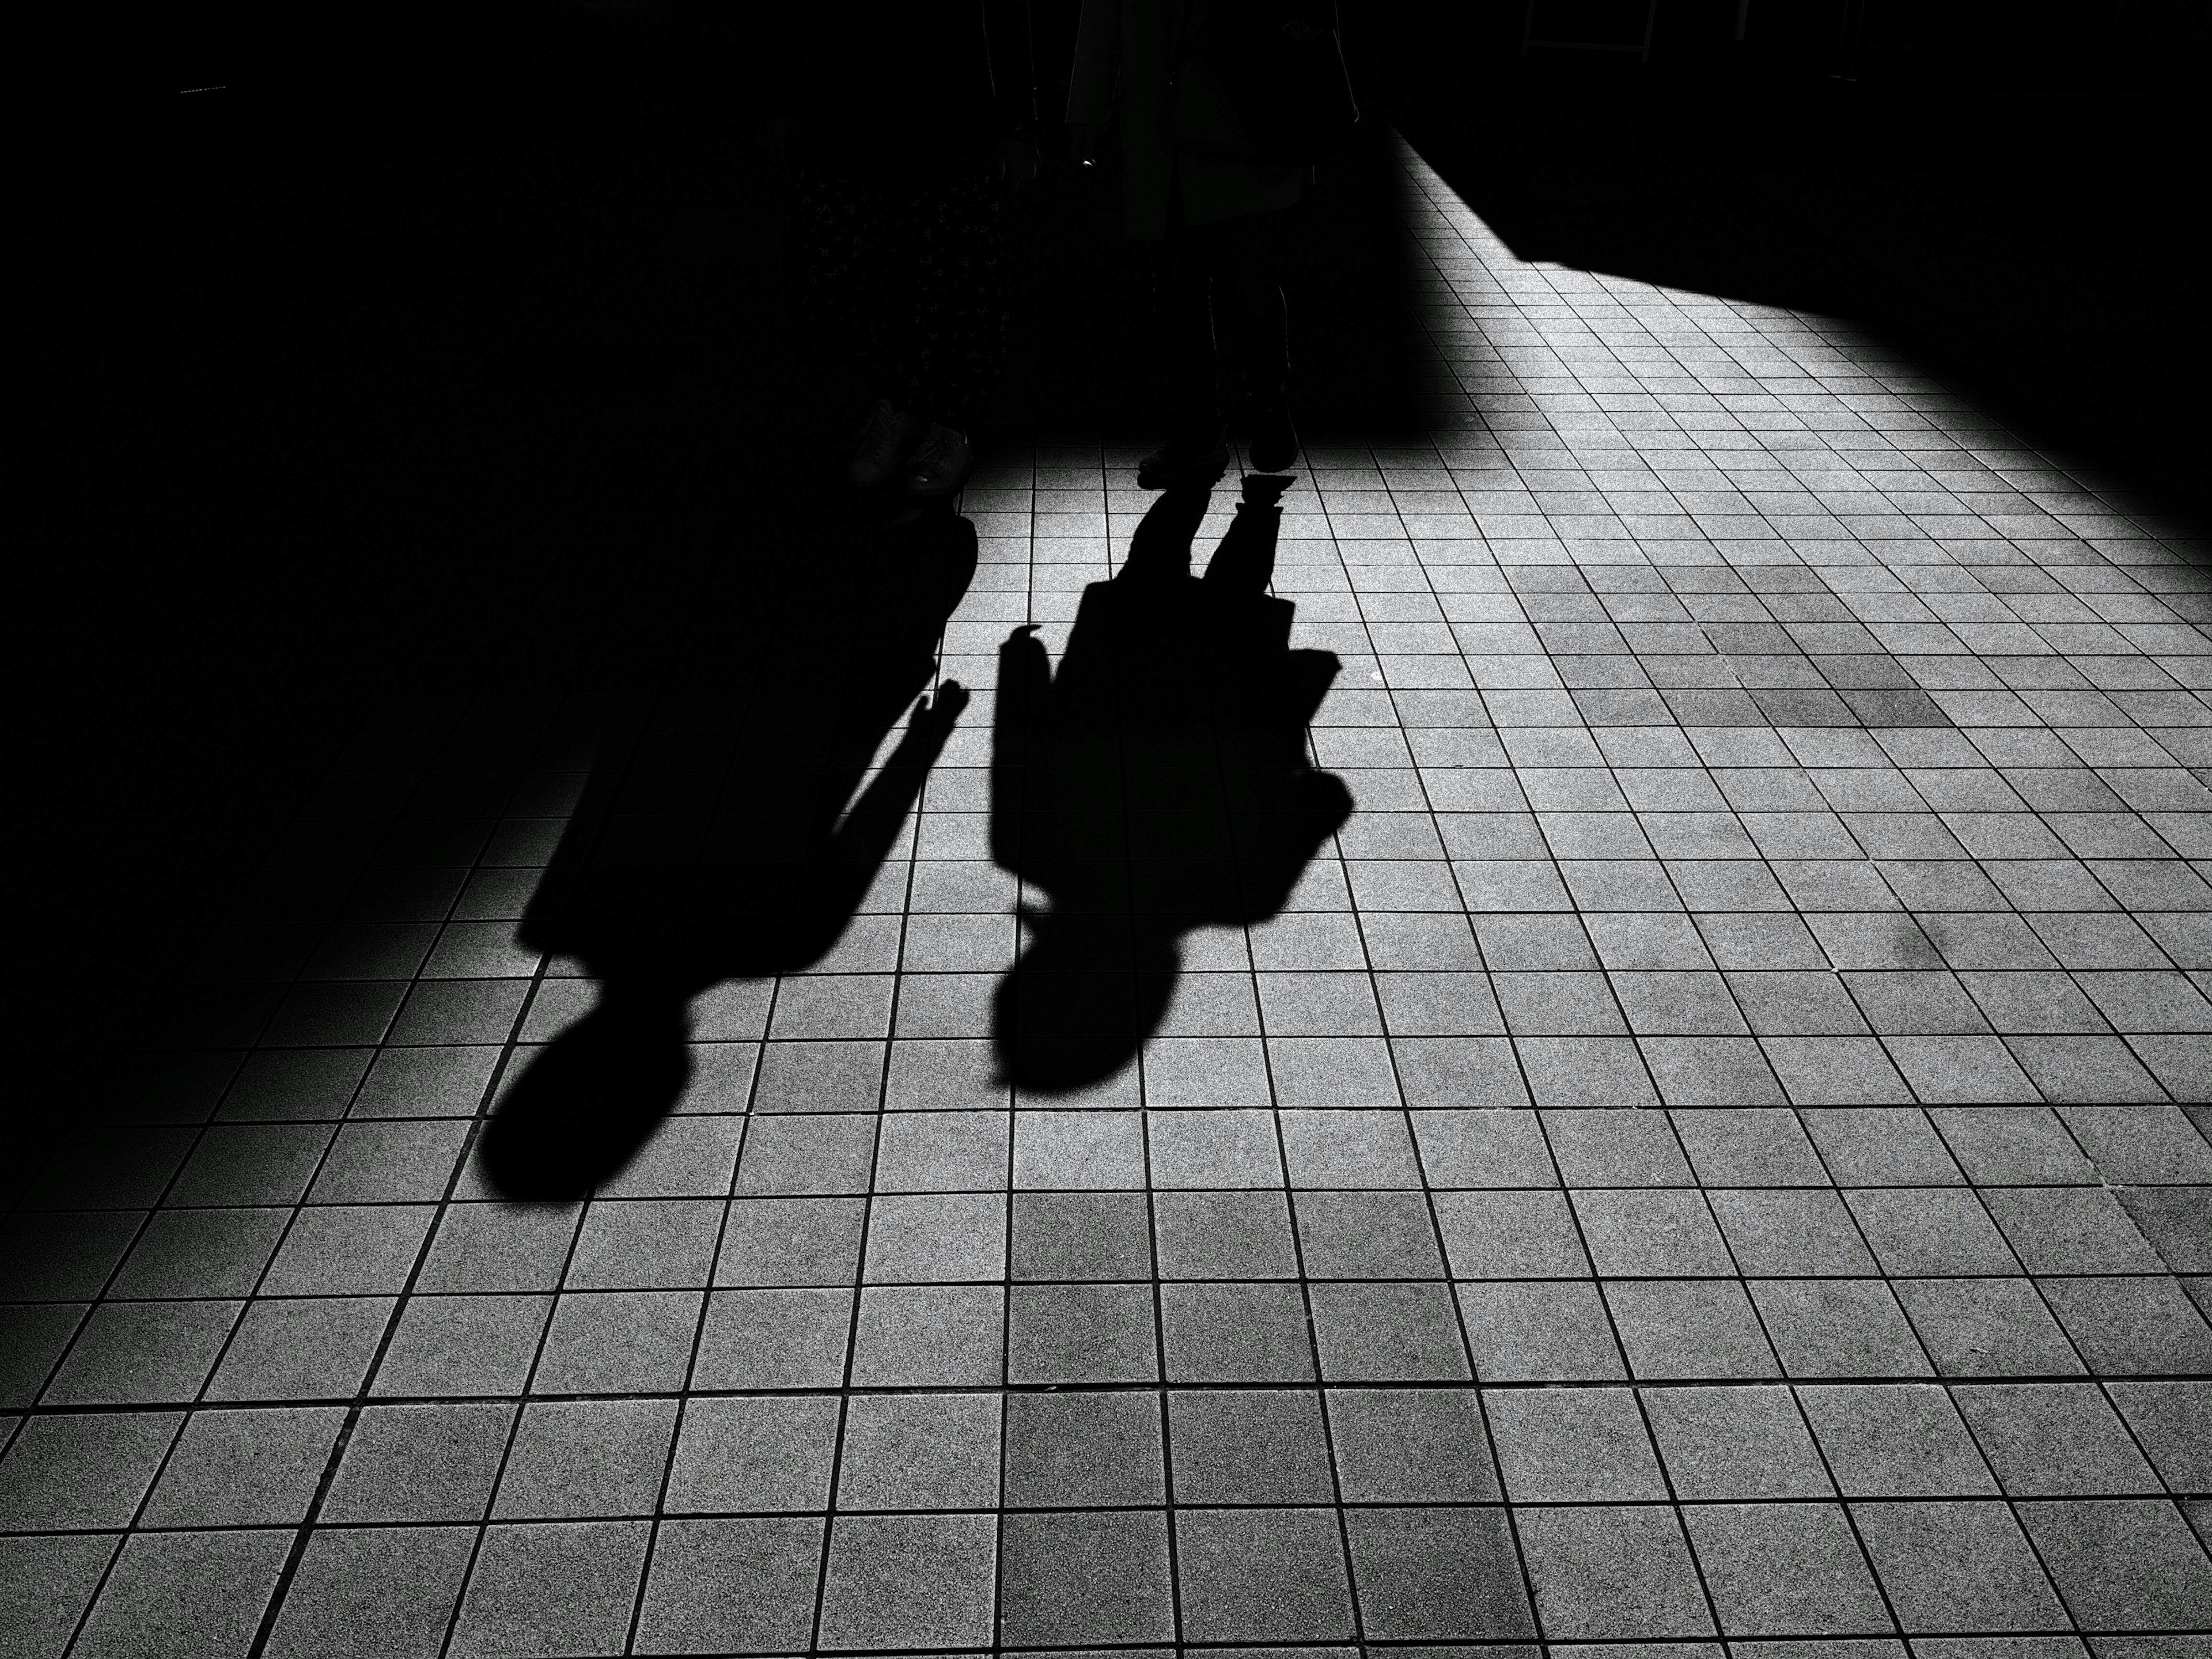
1712 1149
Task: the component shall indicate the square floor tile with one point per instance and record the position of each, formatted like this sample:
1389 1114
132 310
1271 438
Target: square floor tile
46 1583
1651 1232
1530 1331
1510 1235
1413 1446
1248 1446
2123 1565
791 1242
922 1451
1895 1440
1783 1569
937 1238
186 1592
1084 1236
1075 1578
2132 1326
585 1459
1483 1148
1606 1147
1736 1442
431 1462
1838 1328
1958 1567
1084 1449
2169 1422
1689 1330
1367 1235
1265 1575
1077 1334
1349 1149
498 1247
929 1336
566 1587
308 1348
463 1345
786 1339
1235 1333
910 1581
1387 1333
1879 1146
1217 1235
71 1471
1573 1446
142 1352
618 1342
752 1453
735 1586
1612 1571
2055 1440
258 1467
1437 1575
367 1592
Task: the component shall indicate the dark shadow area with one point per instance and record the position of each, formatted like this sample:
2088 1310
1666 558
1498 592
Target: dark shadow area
424 358
1157 782
381 356
1083 363
2004 194
432 353
726 833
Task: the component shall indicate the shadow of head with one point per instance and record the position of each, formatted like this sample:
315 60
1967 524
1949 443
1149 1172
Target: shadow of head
590 1098
1087 990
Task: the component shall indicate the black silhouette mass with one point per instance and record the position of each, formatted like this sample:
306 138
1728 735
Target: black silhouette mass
1158 782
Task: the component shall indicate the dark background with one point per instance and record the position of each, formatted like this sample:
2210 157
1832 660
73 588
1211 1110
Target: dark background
439 335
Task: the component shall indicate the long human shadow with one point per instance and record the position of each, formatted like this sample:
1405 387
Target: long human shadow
730 831
1159 782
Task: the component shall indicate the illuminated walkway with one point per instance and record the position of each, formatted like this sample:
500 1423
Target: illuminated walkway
1710 1153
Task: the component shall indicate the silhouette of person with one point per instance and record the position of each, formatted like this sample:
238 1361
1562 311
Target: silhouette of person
904 122
1159 782
1206 174
721 837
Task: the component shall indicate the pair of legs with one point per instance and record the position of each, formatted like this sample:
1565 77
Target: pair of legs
1229 269
911 272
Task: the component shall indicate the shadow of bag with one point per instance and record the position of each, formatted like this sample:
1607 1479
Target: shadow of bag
1294 95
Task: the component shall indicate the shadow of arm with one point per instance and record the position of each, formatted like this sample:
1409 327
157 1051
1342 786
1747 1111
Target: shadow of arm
863 841
1017 725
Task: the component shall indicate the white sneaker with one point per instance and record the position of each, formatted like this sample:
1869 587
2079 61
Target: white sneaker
885 443
941 465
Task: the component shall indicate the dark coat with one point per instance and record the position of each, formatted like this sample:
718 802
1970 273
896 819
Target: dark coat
906 87
1158 63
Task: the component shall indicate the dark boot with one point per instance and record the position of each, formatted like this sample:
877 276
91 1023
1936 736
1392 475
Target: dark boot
1199 458
1274 439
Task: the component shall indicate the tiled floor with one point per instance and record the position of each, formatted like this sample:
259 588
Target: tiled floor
1710 1153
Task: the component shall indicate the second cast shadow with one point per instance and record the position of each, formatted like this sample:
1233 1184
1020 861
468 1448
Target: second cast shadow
735 821
1158 783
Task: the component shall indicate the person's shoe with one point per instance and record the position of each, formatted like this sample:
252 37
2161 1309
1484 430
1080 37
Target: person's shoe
885 441
1275 440
941 465
1180 462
